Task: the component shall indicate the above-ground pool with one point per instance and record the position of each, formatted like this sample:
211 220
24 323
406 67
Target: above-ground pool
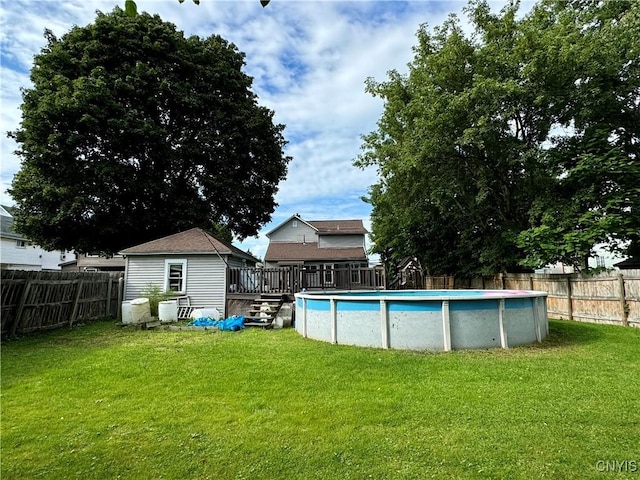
424 319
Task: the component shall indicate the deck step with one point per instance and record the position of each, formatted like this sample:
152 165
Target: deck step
253 322
264 310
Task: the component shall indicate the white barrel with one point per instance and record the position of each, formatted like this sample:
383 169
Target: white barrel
126 312
168 311
140 310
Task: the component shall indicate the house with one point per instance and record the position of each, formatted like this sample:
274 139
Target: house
193 264
600 258
320 247
18 253
91 262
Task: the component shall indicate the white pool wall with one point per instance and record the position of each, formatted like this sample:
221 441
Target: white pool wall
436 320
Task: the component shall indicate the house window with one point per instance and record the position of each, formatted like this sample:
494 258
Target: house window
21 243
175 275
294 224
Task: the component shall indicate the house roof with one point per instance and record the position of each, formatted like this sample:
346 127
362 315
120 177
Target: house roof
286 251
6 224
339 227
191 241
629 263
409 262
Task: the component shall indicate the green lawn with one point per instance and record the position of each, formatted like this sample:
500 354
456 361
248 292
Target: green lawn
102 402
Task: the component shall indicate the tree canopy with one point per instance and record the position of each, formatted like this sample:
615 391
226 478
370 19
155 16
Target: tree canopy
132 131
514 147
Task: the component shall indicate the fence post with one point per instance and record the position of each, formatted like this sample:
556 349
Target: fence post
23 300
623 302
569 301
120 295
108 310
75 302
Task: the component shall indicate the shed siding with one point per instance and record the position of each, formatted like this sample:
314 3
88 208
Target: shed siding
289 233
142 271
340 241
206 281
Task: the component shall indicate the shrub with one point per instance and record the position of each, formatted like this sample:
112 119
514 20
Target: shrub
156 295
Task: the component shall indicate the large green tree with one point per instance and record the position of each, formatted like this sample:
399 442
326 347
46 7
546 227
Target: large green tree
454 149
475 145
132 131
593 48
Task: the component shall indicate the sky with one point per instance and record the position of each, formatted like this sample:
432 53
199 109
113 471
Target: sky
309 61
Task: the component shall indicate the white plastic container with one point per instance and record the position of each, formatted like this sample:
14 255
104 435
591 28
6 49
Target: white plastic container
140 310
211 313
168 311
126 313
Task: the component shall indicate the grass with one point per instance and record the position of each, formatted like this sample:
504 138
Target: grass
103 402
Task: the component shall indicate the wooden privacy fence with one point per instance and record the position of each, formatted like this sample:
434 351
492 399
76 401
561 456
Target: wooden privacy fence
33 301
610 297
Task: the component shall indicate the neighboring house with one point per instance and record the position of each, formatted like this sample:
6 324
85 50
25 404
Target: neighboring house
17 253
94 263
193 264
601 258
319 247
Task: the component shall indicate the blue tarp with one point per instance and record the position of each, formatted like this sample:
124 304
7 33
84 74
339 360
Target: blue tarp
232 323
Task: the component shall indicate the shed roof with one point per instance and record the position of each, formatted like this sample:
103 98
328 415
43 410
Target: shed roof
289 251
191 241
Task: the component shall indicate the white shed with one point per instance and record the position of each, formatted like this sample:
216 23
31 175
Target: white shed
193 264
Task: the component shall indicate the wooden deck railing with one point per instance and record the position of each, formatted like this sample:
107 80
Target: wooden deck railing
297 278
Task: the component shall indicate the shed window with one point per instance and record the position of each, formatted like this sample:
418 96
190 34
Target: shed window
175 275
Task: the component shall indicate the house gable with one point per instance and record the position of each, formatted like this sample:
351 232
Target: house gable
294 229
